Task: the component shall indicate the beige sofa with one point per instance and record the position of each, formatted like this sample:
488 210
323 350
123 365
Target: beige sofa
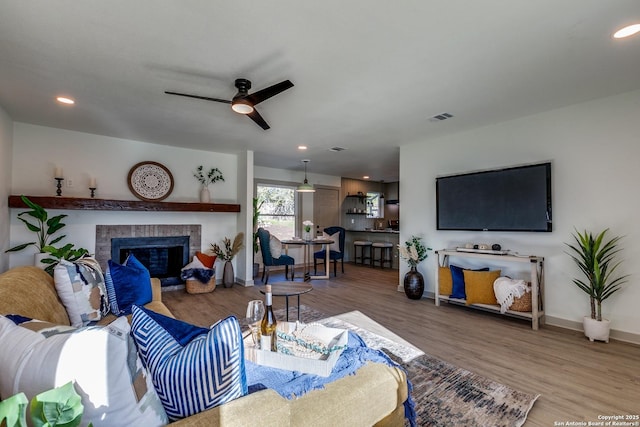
373 396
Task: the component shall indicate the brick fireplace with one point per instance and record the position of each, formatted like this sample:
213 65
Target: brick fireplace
163 249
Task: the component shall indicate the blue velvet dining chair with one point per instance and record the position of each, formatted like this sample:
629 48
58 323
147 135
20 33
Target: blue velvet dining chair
267 257
334 255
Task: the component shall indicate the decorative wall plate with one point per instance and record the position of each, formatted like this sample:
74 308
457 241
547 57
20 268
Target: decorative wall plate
150 181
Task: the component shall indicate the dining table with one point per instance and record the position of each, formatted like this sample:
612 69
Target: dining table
308 246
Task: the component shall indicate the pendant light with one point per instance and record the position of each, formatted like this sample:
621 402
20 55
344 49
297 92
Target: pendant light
305 187
382 189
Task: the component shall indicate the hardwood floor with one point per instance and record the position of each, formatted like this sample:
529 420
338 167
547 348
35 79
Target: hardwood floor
578 380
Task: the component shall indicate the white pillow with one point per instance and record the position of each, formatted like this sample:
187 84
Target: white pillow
275 245
80 286
102 361
196 263
335 246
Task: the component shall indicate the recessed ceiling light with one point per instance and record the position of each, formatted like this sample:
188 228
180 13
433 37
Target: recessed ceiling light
65 100
627 31
365 177
302 147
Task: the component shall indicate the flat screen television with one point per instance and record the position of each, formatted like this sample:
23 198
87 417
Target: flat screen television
510 199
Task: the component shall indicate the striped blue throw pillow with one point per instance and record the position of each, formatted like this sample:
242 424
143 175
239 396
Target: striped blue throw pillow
193 376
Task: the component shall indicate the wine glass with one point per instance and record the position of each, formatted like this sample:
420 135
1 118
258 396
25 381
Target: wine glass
255 313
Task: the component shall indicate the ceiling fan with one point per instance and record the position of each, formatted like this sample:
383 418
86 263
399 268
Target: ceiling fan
244 102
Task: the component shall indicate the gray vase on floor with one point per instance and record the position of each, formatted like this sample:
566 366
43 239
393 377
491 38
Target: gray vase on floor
228 276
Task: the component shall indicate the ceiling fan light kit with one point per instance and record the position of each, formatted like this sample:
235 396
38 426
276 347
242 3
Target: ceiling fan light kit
305 187
242 106
243 102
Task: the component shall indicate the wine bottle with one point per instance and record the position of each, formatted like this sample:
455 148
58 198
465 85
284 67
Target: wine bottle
268 325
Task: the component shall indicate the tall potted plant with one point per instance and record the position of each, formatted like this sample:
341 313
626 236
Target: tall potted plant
596 259
413 251
44 227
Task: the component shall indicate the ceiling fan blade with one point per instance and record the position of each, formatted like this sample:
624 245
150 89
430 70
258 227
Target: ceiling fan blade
206 98
256 117
261 95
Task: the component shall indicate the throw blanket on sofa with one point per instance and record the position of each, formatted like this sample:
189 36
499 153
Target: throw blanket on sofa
291 384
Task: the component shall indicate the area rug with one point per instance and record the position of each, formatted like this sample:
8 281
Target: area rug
444 394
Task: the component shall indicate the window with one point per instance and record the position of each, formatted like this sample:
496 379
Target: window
374 203
278 209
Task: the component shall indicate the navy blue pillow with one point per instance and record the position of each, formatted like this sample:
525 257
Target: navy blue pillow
182 332
457 277
127 285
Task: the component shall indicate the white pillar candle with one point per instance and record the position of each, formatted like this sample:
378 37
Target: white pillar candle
58 173
92 183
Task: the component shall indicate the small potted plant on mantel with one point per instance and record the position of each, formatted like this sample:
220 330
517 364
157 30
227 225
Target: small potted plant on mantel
596 259
214 175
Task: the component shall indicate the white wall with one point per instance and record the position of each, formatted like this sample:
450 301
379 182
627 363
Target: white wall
38 150
6 143
595 152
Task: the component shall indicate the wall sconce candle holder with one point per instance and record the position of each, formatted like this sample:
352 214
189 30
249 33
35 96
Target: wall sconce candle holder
59 186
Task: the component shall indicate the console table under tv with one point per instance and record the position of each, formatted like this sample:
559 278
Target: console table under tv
536 271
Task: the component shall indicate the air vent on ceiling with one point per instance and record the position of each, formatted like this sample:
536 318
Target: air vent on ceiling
440 117
336 149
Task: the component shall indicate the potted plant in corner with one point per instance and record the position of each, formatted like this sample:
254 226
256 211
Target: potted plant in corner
44 227
596 259
414 252
214 175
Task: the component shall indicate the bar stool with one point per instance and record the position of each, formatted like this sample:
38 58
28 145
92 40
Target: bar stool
365 251
385 254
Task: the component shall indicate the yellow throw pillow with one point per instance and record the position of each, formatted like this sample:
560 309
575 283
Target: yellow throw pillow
479 286
445 281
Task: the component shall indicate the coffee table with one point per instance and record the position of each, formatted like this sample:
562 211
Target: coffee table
288 289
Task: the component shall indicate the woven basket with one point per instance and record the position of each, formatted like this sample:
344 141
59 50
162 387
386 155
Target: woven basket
196 287
522 303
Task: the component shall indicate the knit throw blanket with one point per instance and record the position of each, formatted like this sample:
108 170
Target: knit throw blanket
507 290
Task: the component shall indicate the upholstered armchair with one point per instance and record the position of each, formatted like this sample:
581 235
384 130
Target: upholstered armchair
270 259
336 249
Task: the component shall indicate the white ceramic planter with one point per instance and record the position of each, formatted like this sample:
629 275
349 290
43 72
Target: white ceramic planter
37 259
596 330
205 195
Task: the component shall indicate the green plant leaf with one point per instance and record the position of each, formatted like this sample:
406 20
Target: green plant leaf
20 247
44 228
595 257
13 410
60 407
30 226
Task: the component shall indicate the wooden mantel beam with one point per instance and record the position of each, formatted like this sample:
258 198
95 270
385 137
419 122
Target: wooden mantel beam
76 203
